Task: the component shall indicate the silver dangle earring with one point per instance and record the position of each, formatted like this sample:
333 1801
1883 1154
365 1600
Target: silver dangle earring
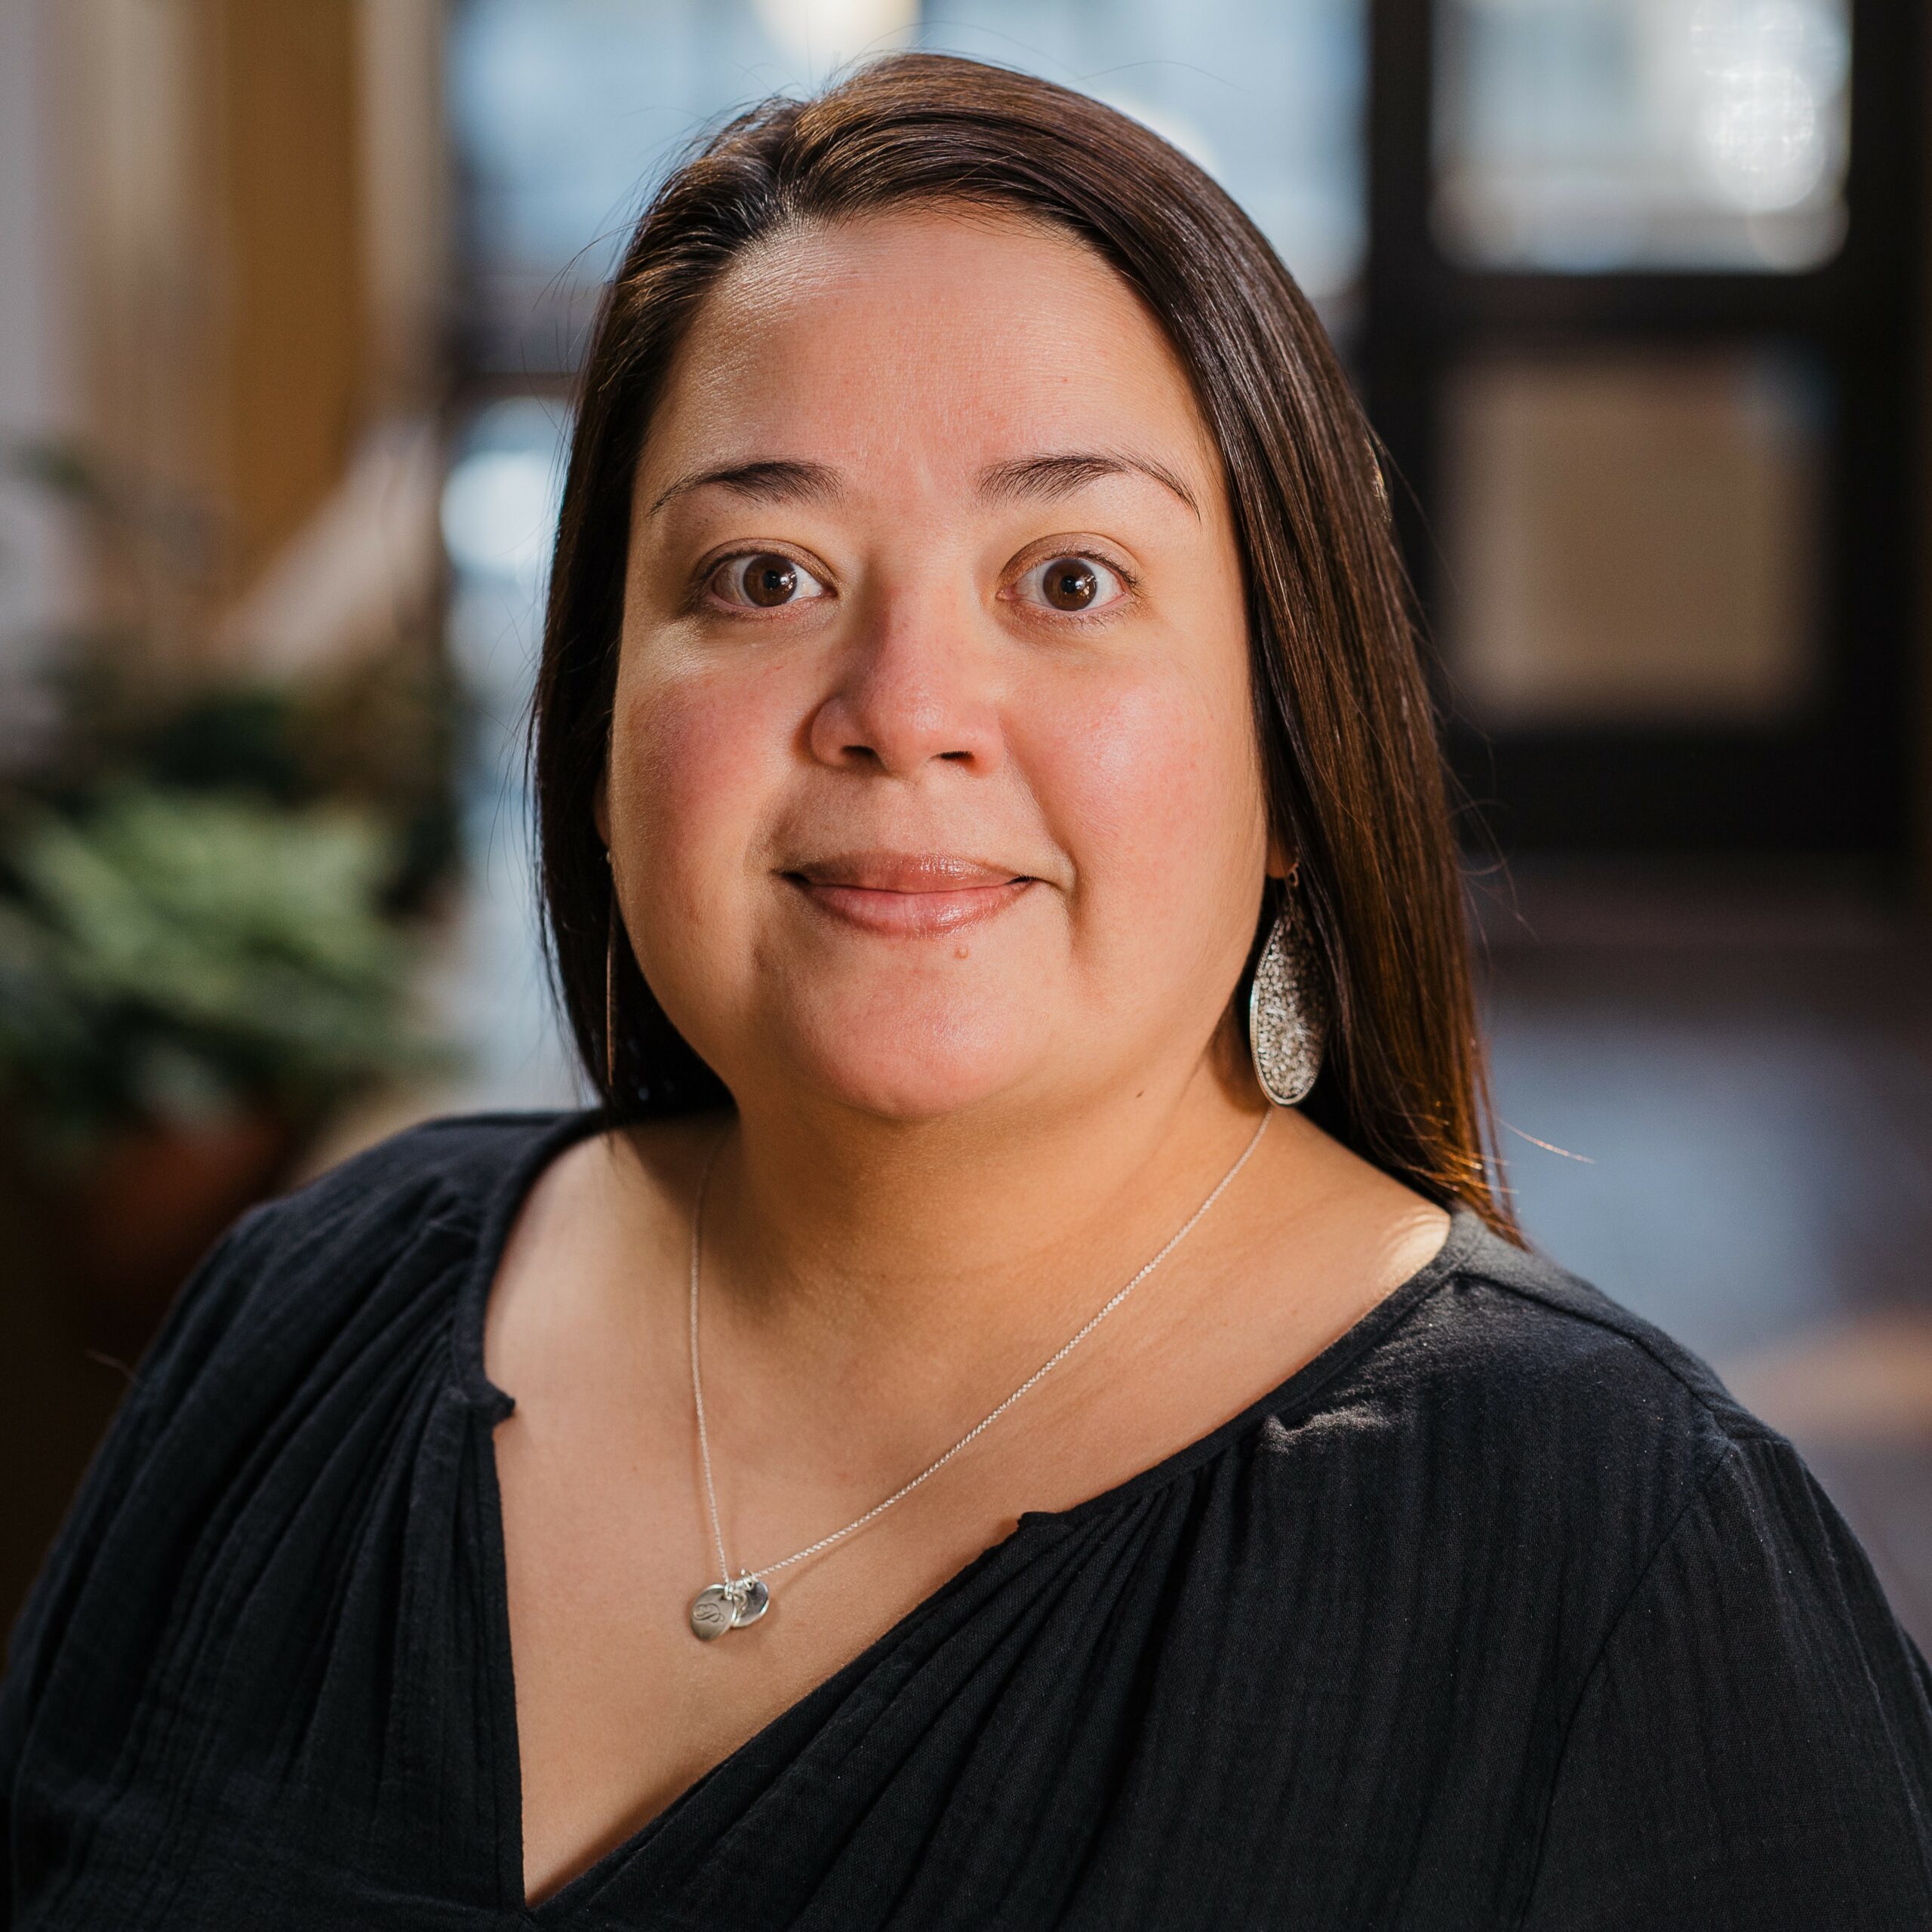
1288 1011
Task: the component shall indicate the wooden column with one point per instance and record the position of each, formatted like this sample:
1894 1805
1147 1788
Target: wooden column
282 82
212 170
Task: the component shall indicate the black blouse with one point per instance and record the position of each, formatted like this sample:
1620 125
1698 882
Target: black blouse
1499 1613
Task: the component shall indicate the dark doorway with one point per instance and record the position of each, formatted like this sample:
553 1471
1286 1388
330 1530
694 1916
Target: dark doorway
1644 382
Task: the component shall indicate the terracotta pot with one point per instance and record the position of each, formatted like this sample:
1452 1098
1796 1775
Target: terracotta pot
121 1234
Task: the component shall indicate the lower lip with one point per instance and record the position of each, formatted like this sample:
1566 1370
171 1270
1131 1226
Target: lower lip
912 914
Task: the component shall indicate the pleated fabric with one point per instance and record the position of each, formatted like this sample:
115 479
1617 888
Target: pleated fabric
1500 1613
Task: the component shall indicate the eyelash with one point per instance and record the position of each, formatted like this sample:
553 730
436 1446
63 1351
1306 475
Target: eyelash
701 584
1130 585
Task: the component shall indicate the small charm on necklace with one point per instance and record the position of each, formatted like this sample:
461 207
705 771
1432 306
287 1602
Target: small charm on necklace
712 1612
718 1608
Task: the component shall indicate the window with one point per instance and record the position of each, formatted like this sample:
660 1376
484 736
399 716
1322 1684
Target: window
1586 135
563 111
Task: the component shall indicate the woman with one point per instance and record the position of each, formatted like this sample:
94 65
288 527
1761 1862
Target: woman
964 1434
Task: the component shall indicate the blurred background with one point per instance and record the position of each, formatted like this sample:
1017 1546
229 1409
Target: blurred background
290 298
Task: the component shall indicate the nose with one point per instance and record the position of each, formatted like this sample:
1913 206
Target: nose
911 685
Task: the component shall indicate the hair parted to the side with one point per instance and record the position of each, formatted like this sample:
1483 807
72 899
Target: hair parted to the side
1354 771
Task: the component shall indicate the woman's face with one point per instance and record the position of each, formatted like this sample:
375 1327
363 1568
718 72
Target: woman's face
933 783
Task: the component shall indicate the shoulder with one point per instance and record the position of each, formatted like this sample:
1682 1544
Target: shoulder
1747 1707
455 1169
380 1242
1526 1353
311 1307
315 1315
457 1162
1504 1416
1576 1511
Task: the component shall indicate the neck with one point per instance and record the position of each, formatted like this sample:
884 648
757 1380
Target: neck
839 1249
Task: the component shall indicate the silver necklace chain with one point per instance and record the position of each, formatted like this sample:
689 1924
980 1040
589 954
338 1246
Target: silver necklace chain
742 1599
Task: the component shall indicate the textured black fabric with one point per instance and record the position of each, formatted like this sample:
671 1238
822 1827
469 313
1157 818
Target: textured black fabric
1501 1613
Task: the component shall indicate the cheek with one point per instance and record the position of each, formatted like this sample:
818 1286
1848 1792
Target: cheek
1152 787
690 758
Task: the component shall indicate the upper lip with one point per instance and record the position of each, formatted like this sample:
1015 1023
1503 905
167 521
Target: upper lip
905 872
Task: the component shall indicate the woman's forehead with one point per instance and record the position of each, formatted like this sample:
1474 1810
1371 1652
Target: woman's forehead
962 337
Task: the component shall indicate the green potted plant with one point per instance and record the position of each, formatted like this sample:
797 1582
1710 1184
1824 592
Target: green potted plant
214 886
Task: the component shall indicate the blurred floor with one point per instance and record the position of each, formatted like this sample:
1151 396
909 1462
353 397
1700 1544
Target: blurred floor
1739 1073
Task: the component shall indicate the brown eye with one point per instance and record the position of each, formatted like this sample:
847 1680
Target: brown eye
1070 584
1075 584
764 581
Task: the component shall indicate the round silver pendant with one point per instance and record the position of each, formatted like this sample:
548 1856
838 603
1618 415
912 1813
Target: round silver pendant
718 1608
712 1612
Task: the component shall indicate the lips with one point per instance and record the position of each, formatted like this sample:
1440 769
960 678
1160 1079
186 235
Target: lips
910 895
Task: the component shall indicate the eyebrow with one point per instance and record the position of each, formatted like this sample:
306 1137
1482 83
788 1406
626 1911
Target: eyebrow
1038 478
1043 478
775 480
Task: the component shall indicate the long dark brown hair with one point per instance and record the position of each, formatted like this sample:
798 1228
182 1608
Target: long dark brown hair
1354 772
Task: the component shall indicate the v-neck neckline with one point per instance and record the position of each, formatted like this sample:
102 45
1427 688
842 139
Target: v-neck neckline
1466 1233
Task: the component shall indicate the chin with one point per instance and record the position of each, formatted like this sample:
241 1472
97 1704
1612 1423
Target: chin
911 1066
